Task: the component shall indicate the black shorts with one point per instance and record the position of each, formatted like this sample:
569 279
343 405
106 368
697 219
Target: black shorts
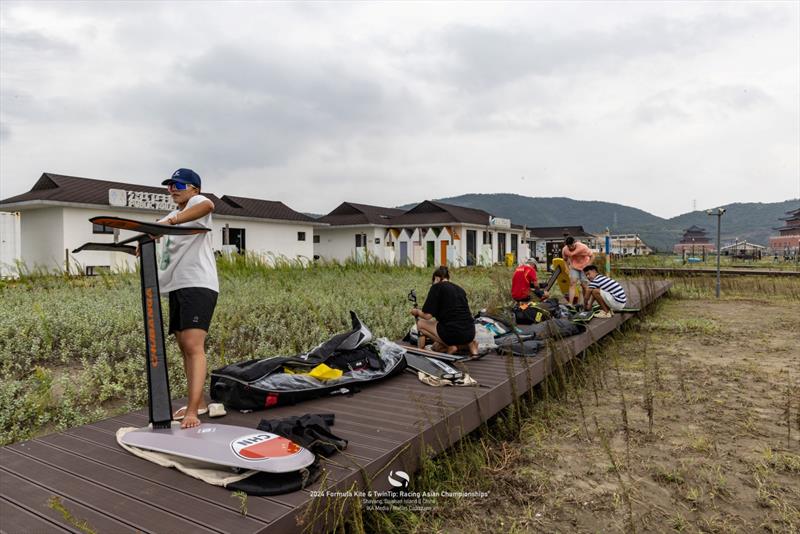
191 307
456 333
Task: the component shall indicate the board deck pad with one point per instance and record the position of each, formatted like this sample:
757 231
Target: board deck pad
146 227
226 445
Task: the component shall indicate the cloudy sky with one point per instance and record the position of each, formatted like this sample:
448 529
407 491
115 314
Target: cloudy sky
648 104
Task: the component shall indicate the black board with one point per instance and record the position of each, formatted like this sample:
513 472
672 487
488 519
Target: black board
150 228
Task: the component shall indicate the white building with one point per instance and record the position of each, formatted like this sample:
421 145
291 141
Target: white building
429 234
356 231
55 213
9 243
624 245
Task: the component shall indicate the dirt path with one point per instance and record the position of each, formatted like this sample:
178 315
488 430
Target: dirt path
721 381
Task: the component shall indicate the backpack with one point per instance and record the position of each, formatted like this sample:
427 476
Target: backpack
530 313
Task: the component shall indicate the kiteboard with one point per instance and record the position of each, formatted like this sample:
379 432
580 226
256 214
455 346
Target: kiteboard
562 278
226 445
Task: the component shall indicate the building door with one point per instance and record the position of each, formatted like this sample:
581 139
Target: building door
553 250
443 256
472 247
236 237
515 246
403 252
430 253
501 247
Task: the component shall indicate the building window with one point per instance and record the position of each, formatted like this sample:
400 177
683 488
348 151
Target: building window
101 229
301 236
316 238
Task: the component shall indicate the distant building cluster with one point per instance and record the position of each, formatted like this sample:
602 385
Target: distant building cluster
787 241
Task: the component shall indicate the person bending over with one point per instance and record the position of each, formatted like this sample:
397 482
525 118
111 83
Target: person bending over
188 273
445 317
605 291
525 280
577 255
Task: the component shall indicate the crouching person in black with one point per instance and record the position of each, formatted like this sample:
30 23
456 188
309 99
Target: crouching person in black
445 317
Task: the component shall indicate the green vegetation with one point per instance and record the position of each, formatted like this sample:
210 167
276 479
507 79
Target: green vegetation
71 347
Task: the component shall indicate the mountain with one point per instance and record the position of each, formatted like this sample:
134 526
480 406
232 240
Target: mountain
752 220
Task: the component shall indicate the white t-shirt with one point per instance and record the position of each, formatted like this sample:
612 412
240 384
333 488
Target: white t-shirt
188 260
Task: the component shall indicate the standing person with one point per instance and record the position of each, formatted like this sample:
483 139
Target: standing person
525 280
188 273
578 256
445 317
605 291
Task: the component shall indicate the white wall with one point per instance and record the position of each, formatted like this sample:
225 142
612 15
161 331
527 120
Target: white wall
42 238
47 232
10 251
268 238
78 230
340 243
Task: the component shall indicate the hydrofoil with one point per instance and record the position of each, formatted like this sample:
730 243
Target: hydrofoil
225 445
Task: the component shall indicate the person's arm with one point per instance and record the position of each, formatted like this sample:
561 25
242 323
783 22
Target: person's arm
199 210
419 314
588 298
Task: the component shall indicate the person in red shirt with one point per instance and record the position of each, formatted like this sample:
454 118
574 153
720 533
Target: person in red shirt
524 280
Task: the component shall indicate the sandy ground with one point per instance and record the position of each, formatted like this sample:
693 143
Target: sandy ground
721 381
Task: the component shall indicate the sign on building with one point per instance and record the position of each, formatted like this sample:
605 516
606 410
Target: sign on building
499 222
140 199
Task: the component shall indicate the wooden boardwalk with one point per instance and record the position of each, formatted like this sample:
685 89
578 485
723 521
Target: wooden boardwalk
702 271
386 424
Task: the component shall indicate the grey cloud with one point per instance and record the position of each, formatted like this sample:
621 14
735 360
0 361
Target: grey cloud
240 110
482 58
713 103
30 41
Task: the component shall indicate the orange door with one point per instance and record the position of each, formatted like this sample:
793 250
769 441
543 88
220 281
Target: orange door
444 253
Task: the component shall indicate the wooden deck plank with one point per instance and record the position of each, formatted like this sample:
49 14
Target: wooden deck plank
140 514
35 499
15 519
172 501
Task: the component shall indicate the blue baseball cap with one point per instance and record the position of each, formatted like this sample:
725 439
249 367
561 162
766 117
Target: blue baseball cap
184 176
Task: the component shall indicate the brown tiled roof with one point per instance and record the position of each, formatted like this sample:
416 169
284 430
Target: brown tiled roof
433 212
550 232
59 188
266 209
350 213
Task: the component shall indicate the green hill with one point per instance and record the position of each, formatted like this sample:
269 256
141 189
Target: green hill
752 220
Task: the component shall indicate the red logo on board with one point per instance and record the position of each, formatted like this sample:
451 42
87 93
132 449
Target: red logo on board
263 446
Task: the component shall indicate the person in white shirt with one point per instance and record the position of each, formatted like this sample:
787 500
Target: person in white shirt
187 271
605 291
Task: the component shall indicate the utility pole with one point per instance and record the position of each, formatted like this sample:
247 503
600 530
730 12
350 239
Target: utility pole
718 214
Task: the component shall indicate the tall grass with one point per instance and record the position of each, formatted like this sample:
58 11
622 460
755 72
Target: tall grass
71 347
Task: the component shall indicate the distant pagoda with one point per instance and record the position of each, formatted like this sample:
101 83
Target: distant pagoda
788 237
694 241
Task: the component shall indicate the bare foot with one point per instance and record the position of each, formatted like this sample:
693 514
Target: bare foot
452 349
438 347
190 420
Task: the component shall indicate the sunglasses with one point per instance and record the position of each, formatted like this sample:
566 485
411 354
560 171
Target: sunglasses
177 186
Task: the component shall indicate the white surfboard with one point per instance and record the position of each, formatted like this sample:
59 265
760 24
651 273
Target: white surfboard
232 446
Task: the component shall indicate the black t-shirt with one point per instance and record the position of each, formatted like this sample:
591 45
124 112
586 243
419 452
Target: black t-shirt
447 302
